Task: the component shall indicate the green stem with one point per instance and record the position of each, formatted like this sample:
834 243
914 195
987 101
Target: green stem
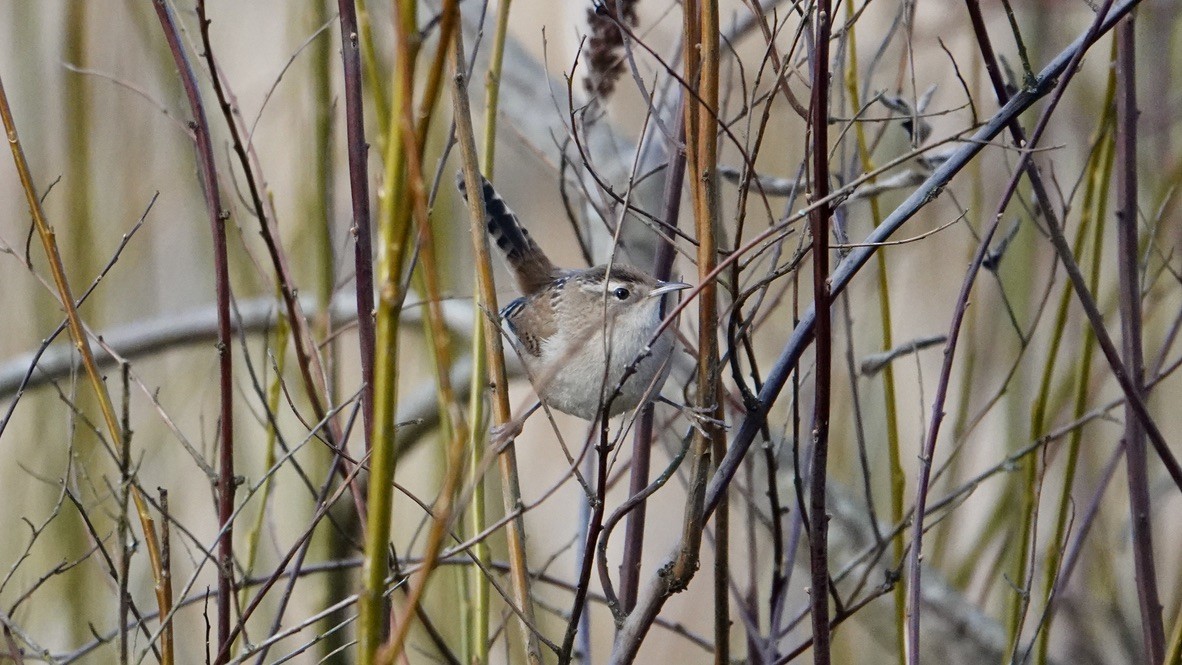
1100 171
393 228
898 479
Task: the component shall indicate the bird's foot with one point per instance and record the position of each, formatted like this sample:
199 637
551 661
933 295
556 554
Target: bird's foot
500 436
700 417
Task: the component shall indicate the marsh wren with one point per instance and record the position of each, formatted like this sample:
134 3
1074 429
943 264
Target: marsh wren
579 332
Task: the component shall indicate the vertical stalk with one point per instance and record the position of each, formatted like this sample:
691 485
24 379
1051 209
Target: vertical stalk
359 190
478 596
164 581
78 125
492 89
493 353
1136 462
393 227
158 559
1054 556
334 586
1174 655
414 138
643 438
124 526
254 534
321 196
819 225
369 54
706 208
686 562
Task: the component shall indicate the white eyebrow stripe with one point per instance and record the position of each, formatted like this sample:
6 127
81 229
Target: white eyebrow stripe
612 285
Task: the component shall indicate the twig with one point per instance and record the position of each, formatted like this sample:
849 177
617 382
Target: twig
874 363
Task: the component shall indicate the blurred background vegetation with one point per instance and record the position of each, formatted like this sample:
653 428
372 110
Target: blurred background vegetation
105 125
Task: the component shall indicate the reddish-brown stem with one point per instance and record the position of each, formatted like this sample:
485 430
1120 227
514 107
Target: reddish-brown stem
359 189
308 361
217 222
642 443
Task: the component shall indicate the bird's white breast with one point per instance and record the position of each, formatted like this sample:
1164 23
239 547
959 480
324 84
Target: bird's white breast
572 372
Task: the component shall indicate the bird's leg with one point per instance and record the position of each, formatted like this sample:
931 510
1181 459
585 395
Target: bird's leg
500 436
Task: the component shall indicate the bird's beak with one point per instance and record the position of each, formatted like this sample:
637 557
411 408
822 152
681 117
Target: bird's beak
667 287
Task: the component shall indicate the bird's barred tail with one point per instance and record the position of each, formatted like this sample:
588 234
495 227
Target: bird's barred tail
529 265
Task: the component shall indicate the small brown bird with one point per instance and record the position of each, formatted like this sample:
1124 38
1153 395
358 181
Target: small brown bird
579 331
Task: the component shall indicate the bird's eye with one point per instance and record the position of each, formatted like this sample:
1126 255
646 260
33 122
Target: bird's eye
621 293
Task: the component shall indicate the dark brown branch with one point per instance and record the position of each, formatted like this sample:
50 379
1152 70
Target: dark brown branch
1136 462
819 224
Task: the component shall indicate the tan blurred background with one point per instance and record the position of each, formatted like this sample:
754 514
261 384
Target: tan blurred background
114 134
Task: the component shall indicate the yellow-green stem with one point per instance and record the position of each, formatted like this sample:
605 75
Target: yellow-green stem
81 259
492 89
1100 171
1174 651
476 586
393 235
437 334
373 78
253 536
894 459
